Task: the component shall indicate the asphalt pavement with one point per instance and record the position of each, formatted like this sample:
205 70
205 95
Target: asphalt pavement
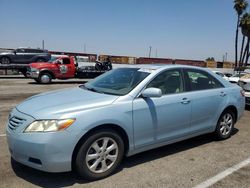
185 164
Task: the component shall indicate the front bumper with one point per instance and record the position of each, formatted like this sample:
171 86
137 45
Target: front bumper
33 74
50 152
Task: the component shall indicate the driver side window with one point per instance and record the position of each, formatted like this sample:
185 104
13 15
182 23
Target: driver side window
20 50
169 82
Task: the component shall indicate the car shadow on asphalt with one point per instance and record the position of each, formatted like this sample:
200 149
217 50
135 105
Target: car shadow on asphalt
45 179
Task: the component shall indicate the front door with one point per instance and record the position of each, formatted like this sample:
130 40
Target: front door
165 118
66 69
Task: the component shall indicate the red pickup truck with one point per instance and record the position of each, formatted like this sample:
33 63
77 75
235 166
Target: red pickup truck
63 67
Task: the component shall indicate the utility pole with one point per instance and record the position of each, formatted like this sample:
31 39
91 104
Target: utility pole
84 48
226 57
43 44
150 48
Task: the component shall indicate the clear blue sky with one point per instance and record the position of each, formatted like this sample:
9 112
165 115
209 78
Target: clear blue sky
191 29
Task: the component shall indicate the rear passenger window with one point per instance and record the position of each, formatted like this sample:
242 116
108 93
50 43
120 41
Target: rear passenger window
169 82
200 80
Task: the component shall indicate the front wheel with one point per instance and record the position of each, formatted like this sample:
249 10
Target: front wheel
99 155
225 125
45 78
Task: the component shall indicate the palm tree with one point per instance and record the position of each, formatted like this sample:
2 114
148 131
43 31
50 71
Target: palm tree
240 6
245 29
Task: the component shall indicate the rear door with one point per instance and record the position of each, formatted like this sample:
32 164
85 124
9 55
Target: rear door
208 97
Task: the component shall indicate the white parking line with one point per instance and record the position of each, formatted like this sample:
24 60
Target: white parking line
2 135
223 174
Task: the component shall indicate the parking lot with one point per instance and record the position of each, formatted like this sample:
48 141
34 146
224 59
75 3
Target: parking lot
184 164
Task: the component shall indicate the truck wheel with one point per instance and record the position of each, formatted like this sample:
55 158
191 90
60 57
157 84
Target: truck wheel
45 78
99 155
5 60
225 125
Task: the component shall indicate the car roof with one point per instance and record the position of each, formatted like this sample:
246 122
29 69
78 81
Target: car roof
32 48
163 66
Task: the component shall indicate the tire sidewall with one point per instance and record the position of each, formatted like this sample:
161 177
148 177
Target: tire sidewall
218 132
80 163
42 74
6 58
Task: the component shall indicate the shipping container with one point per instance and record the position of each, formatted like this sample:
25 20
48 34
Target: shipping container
228 65
190 62
219 64
146 60
118 59
211 64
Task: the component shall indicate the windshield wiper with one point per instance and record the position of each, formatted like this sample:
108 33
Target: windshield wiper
90 89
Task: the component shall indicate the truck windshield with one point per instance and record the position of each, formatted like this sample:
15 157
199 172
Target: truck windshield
117 82
52 59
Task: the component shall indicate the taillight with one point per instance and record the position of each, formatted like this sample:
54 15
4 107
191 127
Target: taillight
242 92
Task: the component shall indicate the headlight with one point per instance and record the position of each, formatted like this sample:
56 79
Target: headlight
49 125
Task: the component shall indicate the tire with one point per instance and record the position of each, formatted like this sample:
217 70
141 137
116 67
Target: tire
95 161
40 60
225 125
45 78
5 60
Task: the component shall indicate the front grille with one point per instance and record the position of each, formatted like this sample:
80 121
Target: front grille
15 122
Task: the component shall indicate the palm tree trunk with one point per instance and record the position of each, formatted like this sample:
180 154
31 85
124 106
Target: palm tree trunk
236 43
241 51
245 51
248 54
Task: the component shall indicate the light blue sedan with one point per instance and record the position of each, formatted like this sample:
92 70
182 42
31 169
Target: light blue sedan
123 112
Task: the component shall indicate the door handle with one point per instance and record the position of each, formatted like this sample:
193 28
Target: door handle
223 94
185 101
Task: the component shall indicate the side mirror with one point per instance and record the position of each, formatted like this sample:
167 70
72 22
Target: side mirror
151 92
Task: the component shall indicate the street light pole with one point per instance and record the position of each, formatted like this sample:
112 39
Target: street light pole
150 48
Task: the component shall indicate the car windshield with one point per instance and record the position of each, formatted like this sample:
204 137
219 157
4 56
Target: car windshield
118 81
52 59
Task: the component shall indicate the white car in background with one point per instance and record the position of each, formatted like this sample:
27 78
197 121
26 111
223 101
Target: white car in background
235 78
244 82
221 74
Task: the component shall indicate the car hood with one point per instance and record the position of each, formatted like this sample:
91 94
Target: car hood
57 103
6 53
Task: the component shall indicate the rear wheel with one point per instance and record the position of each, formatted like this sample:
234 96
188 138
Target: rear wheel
44 78
99 155
225 125
5 60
